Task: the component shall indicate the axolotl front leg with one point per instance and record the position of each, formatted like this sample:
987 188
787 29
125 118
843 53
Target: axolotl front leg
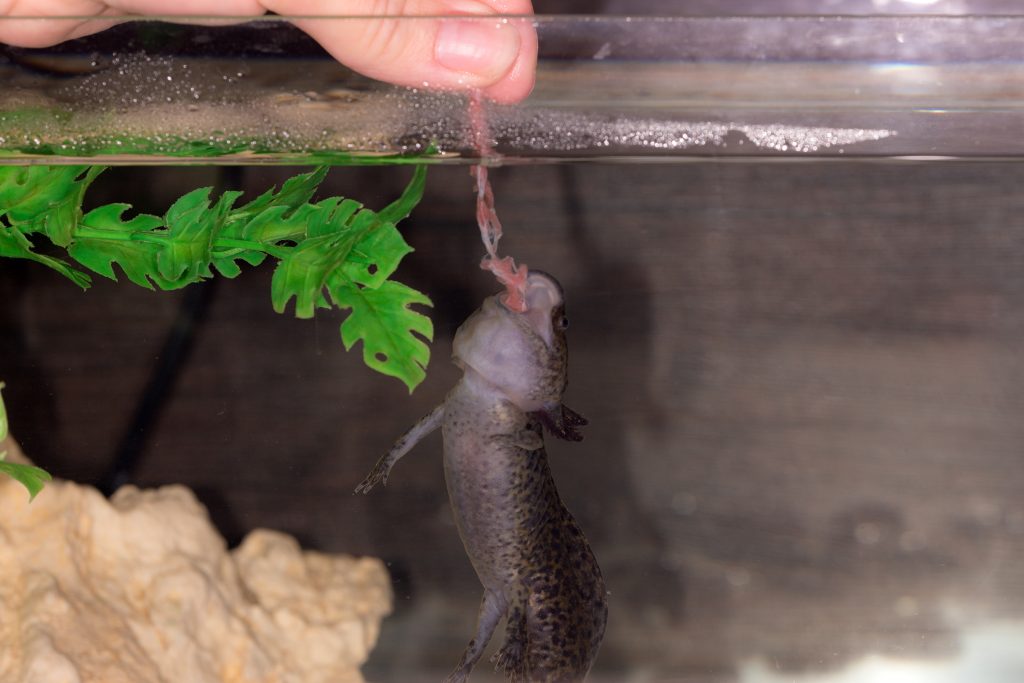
560 420
379 473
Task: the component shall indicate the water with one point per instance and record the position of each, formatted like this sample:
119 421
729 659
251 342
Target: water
650 88
803 380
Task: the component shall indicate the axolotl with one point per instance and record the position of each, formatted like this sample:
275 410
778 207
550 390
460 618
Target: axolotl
536 567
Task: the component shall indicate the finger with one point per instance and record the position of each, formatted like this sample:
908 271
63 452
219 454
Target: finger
496 56
42 32
409 42
47 27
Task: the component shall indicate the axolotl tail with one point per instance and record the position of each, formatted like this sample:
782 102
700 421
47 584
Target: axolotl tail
567 610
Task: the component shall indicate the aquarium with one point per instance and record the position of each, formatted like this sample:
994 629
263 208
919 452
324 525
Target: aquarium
645 87
792 259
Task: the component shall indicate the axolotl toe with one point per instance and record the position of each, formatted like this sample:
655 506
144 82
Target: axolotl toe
536 567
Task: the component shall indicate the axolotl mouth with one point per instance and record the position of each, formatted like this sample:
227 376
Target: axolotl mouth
544 297
520 354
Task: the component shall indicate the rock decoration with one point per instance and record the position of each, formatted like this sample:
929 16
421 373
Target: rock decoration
142 588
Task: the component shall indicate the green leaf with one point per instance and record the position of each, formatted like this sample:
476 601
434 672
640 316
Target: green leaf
264 219
27 191
376 256
226 262
334 217
15 245
3 416
295 192
32 478
191 228
411 196
304 272
99 252
332 251
45 199
271 225
382 320
63 217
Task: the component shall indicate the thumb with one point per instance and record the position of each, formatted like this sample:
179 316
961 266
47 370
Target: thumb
454 44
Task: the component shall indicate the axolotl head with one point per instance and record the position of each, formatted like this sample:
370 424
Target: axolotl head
523 355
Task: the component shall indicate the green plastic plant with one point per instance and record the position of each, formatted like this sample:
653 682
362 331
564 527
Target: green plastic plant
31 477
331 253
58 131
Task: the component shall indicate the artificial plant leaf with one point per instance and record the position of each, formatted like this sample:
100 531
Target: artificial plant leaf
295 192
303 273
226 262
270 225
376 256
333 217
27 191
137 258
16 245
192 226
45 199
383 320
60 221
3 416
411 196
31 477
321 249
271 207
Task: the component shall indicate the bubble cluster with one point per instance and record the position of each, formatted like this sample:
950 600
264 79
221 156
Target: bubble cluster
174 107
805 139
554 131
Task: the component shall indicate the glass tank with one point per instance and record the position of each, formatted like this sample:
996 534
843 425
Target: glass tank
790 249
642 88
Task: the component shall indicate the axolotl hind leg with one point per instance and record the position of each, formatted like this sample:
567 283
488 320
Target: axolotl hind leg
379 473
492 608
511 658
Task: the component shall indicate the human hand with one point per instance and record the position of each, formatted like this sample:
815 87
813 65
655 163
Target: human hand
498 58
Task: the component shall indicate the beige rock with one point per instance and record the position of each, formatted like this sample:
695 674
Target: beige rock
142 588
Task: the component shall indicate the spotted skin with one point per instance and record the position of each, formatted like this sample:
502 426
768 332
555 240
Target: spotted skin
536 567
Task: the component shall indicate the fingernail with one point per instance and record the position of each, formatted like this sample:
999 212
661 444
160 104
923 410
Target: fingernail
484 47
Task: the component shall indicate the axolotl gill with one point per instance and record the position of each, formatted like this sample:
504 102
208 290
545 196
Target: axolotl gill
536 567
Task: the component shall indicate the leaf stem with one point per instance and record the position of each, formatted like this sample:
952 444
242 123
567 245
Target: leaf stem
274 250
86 232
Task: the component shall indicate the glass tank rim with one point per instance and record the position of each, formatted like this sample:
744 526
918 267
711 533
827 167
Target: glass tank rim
537 18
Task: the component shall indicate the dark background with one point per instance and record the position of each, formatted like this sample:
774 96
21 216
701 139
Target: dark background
804 383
